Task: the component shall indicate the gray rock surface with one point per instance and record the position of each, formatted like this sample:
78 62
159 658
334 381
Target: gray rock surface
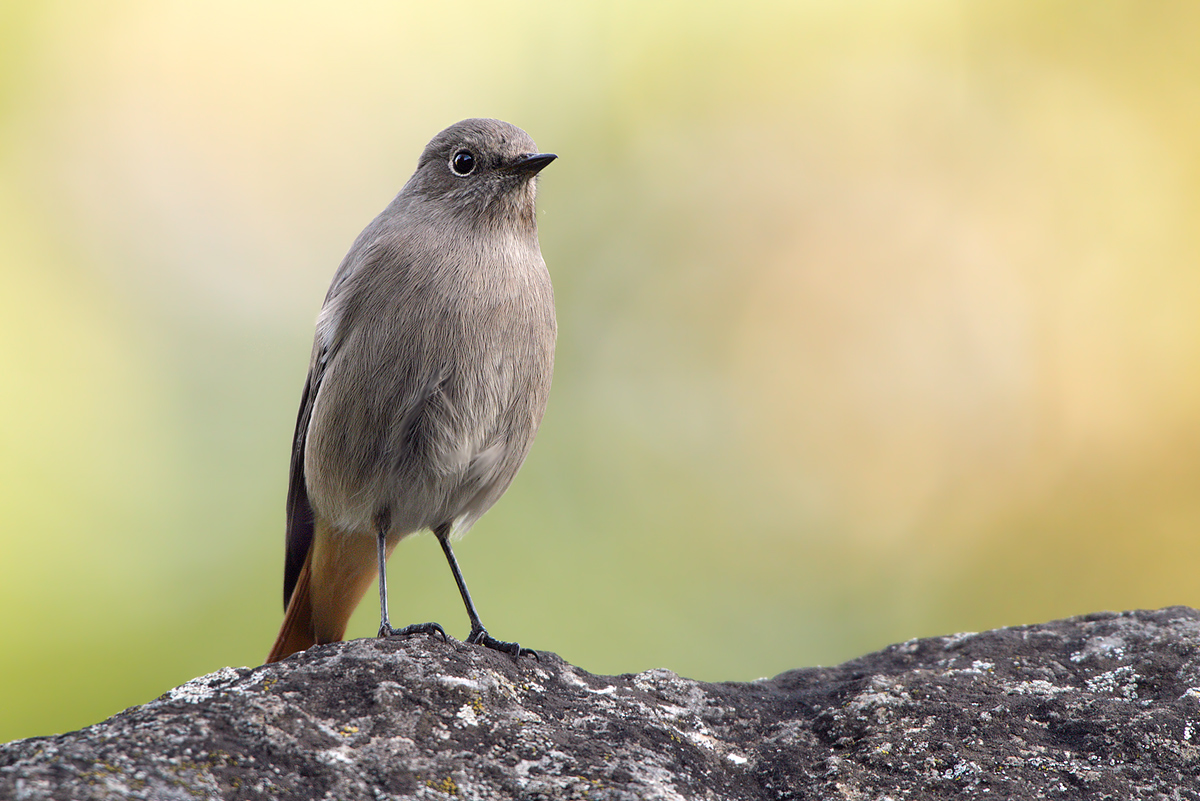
1102 706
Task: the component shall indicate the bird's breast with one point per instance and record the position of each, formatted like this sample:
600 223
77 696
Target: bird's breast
432 400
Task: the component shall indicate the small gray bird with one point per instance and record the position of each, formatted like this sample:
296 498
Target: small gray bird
428 379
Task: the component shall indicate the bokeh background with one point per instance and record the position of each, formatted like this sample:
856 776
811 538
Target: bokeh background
877 320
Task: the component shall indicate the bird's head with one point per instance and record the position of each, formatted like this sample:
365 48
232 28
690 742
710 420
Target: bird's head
483 169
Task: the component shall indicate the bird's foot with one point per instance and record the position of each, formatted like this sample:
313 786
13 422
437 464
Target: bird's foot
481 637
416 628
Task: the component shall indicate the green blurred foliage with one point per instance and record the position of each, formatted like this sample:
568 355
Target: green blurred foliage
877 320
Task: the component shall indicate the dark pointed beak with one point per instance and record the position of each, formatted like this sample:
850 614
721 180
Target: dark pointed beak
531 164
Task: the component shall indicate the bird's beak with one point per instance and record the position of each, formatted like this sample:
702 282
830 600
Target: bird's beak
530 165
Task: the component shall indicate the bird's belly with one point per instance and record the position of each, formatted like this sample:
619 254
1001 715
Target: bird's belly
412 463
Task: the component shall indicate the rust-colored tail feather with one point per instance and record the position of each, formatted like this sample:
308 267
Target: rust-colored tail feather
296 633
337 572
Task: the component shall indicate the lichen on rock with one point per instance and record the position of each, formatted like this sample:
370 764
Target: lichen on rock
1104 705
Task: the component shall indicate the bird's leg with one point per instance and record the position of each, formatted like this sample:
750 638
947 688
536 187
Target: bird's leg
478 635
385 626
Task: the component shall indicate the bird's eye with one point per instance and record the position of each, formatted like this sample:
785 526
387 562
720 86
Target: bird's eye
463 163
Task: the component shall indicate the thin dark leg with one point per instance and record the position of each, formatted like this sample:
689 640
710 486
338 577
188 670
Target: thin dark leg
478 635
385 626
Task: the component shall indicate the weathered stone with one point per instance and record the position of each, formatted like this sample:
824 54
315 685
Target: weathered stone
1102 706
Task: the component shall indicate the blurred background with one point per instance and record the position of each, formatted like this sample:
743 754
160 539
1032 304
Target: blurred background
877 321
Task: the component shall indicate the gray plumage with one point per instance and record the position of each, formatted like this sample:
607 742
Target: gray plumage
433 353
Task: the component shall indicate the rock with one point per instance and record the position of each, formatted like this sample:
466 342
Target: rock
1101 706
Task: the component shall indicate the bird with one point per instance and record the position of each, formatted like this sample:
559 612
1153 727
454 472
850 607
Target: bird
429 376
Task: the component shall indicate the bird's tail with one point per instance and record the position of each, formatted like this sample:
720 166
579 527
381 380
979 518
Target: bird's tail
337 572
297 632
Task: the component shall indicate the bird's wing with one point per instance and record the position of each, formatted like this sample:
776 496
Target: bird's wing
330 330
299 511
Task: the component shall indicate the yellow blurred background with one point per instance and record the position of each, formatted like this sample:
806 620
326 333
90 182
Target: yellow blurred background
877 320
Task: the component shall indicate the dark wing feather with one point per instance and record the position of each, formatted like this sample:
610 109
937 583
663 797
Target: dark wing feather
299 511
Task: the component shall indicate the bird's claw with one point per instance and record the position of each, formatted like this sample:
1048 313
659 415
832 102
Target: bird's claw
481 637
416 628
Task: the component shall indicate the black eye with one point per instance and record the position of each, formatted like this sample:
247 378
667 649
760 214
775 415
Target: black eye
463 163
